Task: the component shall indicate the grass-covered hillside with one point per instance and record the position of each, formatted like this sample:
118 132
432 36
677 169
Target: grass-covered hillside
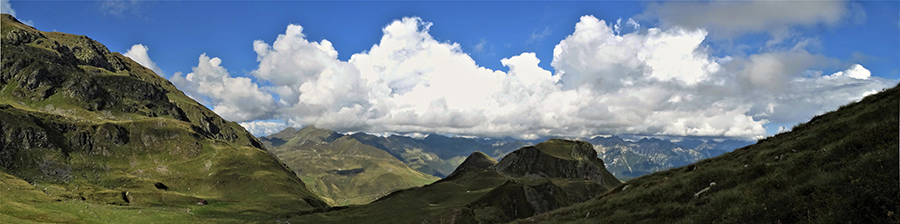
341 169
90 136
528 181
840 167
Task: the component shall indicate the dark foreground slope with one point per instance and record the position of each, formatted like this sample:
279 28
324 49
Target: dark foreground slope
88 135
341 169
840 167
528 181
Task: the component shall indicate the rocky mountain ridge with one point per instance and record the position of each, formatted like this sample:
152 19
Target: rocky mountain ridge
89 127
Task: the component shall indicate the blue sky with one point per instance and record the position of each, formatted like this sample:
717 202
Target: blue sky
734 56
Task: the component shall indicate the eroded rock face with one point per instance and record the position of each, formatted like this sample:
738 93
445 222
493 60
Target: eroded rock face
531 161
14 140
17 37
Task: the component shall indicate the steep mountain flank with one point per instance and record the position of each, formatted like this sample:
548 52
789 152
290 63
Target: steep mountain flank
838 167
340 168
525 183
81 123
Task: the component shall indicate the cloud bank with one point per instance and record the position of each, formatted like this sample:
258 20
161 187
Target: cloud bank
727 19
656 81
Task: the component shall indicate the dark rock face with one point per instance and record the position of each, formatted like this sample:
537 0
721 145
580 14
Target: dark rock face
17 37
530 161
14 139
508 197
531 192
161 186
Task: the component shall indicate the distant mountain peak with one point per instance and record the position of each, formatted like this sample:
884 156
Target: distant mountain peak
557 158
477 160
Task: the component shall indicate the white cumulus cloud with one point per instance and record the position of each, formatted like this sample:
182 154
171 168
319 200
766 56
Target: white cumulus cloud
856 71
138 53
234 98
646 82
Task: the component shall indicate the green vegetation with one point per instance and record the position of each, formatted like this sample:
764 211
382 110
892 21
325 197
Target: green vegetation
838 167
341 169
90 136
481 190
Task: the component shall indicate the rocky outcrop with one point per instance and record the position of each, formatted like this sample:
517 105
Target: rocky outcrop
557 159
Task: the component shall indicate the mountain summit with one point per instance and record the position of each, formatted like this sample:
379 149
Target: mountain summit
557 158
88 126
529 181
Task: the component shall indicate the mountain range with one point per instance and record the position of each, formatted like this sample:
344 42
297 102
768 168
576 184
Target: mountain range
91 136
436 154
529 181
630 159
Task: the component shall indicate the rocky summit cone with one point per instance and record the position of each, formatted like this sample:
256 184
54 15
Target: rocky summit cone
476 161
92 127
558 158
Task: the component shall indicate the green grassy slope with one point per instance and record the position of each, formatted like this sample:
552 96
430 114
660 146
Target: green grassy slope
482 192
841 166
104 137
341 169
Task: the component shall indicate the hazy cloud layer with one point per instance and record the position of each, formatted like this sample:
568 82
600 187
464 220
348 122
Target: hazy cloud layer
119 7
5 7
264 127
727 19
646 82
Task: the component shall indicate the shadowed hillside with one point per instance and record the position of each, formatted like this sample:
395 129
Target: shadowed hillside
82 128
